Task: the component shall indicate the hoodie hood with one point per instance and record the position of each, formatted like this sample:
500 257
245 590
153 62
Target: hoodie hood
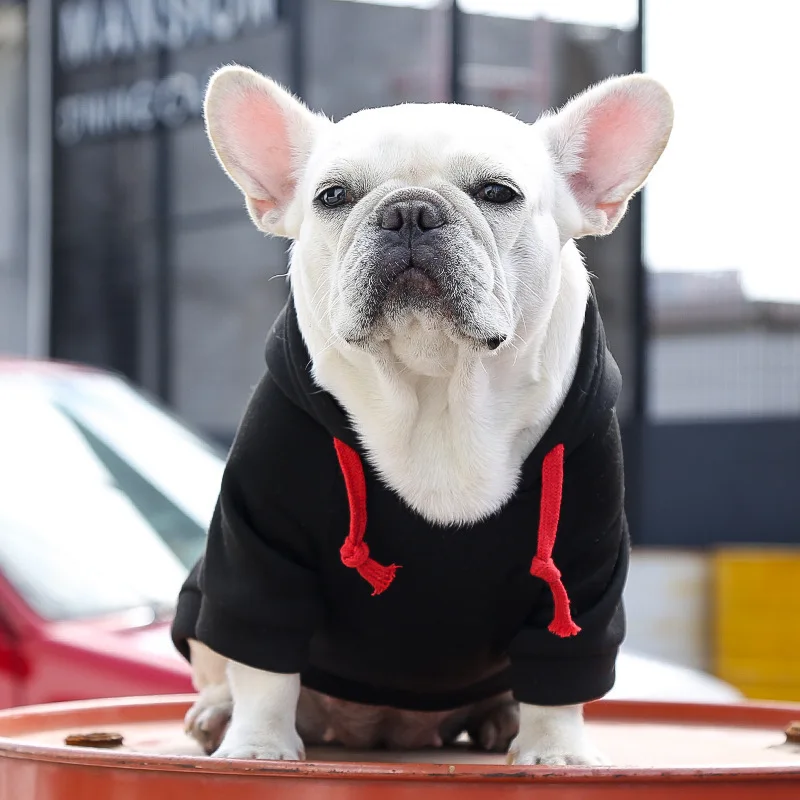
289 364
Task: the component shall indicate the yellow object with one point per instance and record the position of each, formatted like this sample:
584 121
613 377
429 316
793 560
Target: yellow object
756 610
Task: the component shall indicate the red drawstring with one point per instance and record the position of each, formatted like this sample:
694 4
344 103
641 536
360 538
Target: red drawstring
543 565
354 551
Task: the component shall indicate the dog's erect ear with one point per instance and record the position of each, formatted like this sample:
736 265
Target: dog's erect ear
605 142
262 136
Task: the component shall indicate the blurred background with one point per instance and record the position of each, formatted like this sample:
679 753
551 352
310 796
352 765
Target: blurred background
126 251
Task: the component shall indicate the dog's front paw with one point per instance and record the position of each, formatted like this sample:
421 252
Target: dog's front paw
553 737
542 754
262 745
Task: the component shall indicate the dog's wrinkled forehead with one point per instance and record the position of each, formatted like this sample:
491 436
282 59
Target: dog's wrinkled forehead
422 144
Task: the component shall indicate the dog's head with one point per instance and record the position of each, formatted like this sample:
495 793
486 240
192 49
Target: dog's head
432 227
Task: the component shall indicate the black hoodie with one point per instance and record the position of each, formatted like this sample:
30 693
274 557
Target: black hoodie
314 565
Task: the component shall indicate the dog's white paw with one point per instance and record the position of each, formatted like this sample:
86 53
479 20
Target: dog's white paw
553 737
524 756
263 725
262 745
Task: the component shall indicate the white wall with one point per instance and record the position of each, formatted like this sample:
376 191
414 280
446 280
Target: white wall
731 374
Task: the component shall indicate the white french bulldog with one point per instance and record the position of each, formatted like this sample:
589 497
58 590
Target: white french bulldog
451 367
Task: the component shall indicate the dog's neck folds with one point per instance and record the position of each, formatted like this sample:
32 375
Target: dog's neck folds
451 441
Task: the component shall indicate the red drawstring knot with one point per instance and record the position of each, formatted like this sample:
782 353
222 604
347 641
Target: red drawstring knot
543 565
546 570
354 552
354 555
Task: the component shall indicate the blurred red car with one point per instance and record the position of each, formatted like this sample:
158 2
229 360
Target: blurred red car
104 506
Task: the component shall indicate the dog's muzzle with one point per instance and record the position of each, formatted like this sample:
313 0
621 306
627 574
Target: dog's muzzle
420 258
410 268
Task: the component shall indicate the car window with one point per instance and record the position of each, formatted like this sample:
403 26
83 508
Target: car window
106 499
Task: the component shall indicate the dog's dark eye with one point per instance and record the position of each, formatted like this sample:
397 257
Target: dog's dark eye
495 193
334 196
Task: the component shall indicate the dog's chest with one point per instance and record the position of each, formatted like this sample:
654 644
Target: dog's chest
451 448
451 465
449 483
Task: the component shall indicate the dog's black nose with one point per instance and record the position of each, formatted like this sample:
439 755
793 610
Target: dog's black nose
410 214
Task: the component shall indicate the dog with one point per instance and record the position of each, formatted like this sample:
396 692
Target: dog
420 531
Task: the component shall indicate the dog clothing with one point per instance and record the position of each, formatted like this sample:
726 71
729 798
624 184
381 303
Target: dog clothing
313 565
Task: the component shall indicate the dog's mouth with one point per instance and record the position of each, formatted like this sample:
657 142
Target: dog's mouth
411 289
410 285
419 293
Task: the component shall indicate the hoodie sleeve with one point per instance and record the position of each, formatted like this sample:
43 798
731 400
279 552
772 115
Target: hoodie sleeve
185 621
592 553
254 597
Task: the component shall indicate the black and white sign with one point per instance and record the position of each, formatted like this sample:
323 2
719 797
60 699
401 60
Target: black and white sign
137 108
95 33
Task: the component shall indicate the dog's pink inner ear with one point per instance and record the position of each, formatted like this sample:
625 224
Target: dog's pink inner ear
622 137
256 148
